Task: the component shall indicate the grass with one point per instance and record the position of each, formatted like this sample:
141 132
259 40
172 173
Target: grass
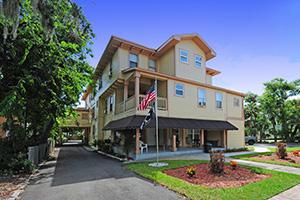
288 149
279 182
248 157
250 148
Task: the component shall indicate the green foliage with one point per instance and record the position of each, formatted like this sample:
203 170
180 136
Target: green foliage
42 78
263 190
236 149
103 145
217 162
128 142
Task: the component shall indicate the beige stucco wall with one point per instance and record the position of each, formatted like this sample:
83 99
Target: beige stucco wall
187 106
234 111
209 79
236 139
166 63
189 70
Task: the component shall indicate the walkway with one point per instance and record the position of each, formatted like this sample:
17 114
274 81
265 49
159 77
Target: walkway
79 174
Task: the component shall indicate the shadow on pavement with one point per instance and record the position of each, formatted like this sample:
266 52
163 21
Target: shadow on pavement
74 165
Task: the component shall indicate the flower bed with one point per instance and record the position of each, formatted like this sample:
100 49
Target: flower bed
230 179
291 158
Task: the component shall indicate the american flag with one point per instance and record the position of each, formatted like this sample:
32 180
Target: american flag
148 98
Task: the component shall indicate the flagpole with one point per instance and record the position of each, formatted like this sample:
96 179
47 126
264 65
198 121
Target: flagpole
156 119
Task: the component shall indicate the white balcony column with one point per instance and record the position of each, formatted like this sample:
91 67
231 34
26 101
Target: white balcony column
126 90
137 88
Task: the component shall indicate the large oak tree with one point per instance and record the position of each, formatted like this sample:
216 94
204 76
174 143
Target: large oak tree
43 67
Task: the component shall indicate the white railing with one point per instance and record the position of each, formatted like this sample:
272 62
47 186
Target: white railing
161 101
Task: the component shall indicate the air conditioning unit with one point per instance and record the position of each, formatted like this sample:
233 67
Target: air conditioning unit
110 73
105 111
202 103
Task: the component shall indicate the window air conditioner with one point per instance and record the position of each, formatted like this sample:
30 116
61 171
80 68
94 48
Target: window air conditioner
202 103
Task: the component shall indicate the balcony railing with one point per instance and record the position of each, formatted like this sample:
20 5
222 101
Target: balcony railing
130 104
162 102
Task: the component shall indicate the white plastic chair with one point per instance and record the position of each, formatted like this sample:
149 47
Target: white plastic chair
143 146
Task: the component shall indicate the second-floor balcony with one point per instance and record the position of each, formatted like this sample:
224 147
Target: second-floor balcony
130 103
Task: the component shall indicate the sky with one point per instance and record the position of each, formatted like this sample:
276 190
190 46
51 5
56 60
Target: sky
255 40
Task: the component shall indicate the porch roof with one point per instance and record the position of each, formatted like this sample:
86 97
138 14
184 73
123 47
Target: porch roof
135 121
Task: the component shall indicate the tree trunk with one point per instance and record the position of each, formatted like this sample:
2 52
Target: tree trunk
47 131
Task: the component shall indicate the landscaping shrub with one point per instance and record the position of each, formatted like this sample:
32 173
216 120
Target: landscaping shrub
236 149
281 150
217 162
15 164
98 143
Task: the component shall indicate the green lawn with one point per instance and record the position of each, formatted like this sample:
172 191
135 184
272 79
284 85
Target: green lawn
250 148
248 157
279 182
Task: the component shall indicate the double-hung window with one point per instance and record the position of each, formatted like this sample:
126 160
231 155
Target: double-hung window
218 100
198 61
183 56
152 65
111 103
133 60
236 102
85 116
201 97
179 90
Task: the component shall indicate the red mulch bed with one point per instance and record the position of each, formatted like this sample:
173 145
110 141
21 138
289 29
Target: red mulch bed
274 157
9 185
230 179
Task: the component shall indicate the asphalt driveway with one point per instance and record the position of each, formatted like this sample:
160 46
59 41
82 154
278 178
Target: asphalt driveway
79 174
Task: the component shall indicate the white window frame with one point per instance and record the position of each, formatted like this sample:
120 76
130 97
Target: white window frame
130 61
178 89
234 102
151 68
197 61
219 100
203 98
183 56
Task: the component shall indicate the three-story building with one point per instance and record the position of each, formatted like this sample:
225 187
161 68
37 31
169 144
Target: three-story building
189 106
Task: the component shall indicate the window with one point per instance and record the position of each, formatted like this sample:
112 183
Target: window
133 60
97 104
218 100
105 111
152 65
179 90
84 116
236 102
201 97
93 112
100 83
198 61
111 100
183 56
110 69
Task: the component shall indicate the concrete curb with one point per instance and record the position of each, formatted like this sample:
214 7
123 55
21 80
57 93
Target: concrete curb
101 152
21 188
